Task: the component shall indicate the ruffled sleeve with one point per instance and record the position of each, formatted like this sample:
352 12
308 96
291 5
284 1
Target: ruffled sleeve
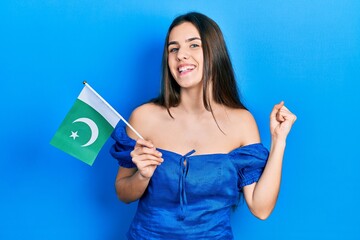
250 161
122 147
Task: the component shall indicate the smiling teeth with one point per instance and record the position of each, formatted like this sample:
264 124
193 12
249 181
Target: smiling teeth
186 68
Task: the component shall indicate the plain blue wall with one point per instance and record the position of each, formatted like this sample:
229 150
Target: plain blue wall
304 52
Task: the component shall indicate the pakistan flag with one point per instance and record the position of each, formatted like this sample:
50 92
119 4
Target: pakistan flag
86 127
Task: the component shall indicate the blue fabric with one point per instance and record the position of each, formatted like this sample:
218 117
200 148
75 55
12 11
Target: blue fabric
192 200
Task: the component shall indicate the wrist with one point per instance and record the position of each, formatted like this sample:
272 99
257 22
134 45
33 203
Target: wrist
277 141
141 177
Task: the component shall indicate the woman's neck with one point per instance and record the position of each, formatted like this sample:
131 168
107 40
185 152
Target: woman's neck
192 102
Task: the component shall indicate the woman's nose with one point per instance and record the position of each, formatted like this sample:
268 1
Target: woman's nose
182 54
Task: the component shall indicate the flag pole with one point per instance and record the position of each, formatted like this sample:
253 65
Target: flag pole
112 109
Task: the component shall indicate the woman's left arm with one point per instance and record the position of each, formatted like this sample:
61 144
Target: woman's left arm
261 196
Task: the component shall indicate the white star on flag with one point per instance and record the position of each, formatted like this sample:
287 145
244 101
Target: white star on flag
74 135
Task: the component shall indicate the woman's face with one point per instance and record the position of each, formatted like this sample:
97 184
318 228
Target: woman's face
185 55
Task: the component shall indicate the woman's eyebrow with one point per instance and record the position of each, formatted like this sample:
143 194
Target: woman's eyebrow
187 40
173 43
192 39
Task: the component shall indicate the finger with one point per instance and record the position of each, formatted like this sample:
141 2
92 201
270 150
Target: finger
282 113
287 116
143 142
276 109
285 108
145 157
143 161
279 117
145 150
145 164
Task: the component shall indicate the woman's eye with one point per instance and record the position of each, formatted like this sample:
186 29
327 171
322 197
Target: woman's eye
172 50
194 45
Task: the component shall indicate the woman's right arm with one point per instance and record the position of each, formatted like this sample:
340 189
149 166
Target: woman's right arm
131 183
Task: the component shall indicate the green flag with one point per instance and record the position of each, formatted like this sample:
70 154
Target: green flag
86 127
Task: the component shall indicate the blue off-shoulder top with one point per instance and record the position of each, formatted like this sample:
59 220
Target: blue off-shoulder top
192 200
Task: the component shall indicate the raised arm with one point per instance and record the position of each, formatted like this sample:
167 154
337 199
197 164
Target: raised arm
261 196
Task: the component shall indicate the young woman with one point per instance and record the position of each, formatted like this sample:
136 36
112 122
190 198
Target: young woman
202 147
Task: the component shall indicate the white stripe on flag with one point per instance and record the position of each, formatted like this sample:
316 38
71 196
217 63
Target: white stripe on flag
90 98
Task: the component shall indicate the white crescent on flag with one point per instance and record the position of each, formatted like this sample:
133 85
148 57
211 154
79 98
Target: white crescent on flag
93 128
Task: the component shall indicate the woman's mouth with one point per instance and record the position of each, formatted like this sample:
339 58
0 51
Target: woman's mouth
183 69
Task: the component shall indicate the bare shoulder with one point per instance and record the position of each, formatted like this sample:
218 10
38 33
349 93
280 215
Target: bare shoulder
145 110
243 125
143 117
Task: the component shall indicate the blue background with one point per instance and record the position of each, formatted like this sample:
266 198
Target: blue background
304 52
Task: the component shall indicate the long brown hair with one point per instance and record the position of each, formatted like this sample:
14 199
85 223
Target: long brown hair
217 70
